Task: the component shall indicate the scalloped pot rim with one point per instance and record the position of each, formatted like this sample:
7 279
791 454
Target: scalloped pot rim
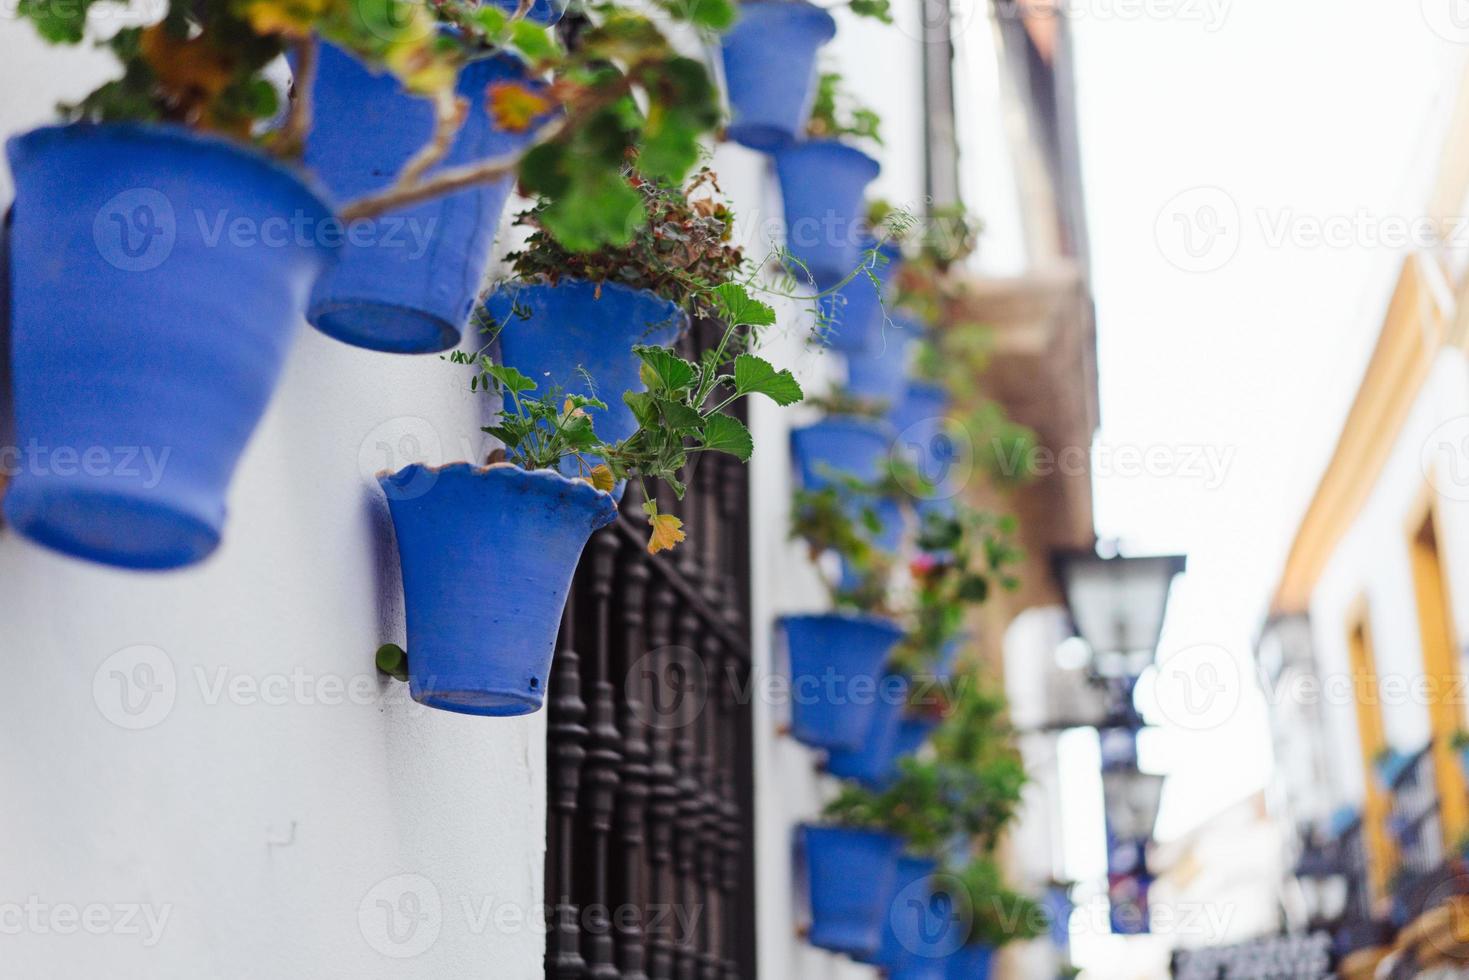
600 498
681 316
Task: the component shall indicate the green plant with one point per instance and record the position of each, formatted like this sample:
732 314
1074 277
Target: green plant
621 88
964 555
1460 740
996 914
680 253
835 114
681 414
931 802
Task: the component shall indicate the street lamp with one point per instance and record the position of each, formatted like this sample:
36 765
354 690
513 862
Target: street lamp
1117 605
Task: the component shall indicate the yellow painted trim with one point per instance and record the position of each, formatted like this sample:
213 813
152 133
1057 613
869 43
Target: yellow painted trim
1371 739
1440 661
1411 336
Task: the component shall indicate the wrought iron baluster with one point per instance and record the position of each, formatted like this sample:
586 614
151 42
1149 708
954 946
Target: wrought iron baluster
632 797
566 735
689 801
663 808
604 756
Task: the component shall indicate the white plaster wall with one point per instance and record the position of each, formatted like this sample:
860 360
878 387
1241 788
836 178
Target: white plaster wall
283 826
1372 560
276 789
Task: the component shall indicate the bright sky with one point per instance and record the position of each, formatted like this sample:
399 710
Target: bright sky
1216 135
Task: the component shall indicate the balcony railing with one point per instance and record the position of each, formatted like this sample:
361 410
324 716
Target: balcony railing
649 862
1413 820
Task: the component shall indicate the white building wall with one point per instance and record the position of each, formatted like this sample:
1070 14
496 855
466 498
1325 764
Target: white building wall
280 804
1372 560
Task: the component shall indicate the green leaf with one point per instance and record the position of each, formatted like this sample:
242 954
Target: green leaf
58 23
728 434
678 416
665 370
739 308
510 379
755 375
533 41
641 404
714 15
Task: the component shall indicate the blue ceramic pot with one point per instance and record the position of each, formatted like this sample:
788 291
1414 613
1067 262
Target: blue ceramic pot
407 280
909 947
913 731
849 875
840 444
822 183
854 446
770 70
561 335
487 556
856 315
836 662
919 968
157 288
970 962
932 442
879 372
874 760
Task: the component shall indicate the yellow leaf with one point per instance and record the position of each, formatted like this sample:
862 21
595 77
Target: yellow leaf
601 477
515 107
666 533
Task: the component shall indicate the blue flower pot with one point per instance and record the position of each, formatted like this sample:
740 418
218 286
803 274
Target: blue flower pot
931 441
822 183
561 335
156 290
840 444
836 661
407 280
854 446
487 555
849 876
770 70
857 317
970 962
1464 761
879 372
916 931
873 762
913 731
